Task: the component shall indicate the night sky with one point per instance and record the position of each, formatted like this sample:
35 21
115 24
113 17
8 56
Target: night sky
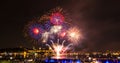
98 19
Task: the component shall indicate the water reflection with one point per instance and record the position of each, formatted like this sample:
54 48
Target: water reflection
80 61
62 61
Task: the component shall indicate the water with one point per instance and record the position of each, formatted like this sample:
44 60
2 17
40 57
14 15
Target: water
62 61
80 61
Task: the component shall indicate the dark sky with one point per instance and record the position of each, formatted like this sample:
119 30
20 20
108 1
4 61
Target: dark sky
99 20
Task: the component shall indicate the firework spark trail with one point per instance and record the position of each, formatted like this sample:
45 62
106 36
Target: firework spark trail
67 47
63 42
58 48
52 42
49 47
45 36
57 41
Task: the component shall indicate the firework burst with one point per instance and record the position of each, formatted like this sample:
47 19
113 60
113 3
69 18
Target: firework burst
74 34
33 31
57 18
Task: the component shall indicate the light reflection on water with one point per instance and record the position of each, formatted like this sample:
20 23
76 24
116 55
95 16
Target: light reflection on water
62 61
79 61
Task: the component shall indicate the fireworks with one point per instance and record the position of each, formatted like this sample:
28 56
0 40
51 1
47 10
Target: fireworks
45 36
53 26
58 48
55 29
56 18
74 34
35 31
62 34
